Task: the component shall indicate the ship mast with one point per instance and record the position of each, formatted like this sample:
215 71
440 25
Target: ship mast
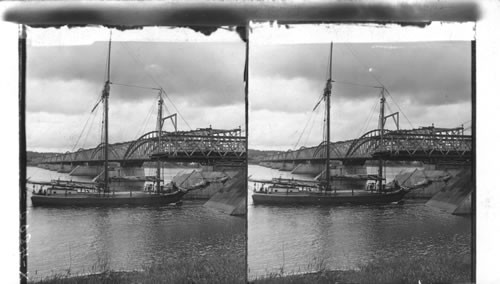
328 91
159 128
105 96
381 123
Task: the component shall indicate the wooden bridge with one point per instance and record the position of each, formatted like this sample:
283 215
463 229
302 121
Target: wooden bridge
205 146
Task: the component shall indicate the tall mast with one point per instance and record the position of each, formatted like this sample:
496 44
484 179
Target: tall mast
381 116
381 122
159 128
328 91
105 96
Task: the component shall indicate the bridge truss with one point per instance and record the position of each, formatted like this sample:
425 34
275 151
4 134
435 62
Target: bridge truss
205 145
425 143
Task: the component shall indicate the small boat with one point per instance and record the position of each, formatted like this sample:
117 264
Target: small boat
323 192
106 190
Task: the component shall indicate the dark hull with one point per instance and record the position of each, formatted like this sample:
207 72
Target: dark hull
312 198
95 200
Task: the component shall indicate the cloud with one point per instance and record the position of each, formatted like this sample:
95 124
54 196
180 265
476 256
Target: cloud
426 82
280 130
283 94
430 73
68 97
204 81
60 132
206 73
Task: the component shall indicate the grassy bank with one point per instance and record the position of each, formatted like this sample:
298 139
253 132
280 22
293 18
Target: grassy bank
438 268
202 269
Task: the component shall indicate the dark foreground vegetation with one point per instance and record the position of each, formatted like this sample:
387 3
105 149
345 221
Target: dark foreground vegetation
440 268
211 269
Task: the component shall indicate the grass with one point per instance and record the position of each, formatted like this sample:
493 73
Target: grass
437 268
202 269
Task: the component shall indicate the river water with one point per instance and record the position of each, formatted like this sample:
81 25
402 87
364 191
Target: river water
301 238
87 240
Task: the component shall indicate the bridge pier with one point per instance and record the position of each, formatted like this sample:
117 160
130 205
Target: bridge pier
355 169
337 168
266 164
43 166
308 168
287 166
453 168
53 167
130 171
340 169
206 168
86 170
126 186
64 168
275 165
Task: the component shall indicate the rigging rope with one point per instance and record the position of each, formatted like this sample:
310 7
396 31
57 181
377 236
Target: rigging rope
146 120
356 84
303 130
81 132
178 112
366 67
90 128
155 81
400 110
310 128
307 122
92 115
135 86
369 119
378 81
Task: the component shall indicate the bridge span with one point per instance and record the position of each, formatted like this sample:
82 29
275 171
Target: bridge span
427 144
205 146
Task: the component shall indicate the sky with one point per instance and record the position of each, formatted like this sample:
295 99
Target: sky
428 83
204 80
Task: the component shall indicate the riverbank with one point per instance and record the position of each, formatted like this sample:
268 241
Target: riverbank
200 269
440 267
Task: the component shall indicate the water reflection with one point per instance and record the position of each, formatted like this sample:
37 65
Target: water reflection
299 238
125 238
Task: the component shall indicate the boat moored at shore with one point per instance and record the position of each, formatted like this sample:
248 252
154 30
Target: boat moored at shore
324 191
106 189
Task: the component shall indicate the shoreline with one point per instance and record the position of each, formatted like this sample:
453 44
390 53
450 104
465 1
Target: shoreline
230 268
440 267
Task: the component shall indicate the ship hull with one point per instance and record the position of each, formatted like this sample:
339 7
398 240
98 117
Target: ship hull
317 198
96 200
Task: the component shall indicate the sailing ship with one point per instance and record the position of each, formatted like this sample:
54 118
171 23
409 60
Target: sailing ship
108 190
292 191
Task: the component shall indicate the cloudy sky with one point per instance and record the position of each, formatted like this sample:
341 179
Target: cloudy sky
429 82
203 80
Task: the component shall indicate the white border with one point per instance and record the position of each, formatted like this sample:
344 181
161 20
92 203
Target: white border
488 195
